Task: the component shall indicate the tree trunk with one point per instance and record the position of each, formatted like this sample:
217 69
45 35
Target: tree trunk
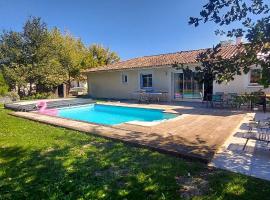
18 90
20 93
68 85
31 88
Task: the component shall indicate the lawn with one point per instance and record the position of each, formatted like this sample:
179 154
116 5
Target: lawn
39 161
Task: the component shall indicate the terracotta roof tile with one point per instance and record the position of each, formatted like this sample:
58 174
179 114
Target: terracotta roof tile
182 57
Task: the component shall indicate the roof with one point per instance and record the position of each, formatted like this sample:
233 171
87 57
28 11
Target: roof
182 57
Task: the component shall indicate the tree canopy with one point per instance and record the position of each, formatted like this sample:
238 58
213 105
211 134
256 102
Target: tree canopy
101 56
47 58
3 85
238 18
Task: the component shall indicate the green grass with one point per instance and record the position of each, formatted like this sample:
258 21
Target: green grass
39 161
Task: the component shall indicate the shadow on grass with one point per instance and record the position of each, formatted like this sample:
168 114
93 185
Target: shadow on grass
105 171
94 171
232 186
71 165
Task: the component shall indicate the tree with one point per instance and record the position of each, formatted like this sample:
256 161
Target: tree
46 58
31 57
50 73
27 56
3 85
74 57
71 54
100 56
12 59
40 56
254 19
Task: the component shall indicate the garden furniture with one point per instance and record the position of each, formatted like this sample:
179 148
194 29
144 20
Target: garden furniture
259 100
264 137
217 99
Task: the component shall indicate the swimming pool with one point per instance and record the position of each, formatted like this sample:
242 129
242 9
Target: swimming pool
113 115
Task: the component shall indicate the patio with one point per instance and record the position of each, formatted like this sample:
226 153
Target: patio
197 133
253 161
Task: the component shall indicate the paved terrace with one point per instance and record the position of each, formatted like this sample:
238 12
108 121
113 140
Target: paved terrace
198 133
253 161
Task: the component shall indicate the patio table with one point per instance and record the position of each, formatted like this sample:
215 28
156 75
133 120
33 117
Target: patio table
149 96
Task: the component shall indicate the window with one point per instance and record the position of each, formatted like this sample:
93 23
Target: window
146 80
124 78
255 76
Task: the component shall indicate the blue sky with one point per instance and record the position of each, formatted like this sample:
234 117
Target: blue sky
132 28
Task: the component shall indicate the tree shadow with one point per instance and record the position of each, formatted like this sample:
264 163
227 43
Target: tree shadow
96 170
196 149
104 169
237 186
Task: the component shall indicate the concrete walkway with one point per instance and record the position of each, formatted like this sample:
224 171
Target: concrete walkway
253 161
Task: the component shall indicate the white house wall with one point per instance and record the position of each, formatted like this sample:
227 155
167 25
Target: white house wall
109 84
239 85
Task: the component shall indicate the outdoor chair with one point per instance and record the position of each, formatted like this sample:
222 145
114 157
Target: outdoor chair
268 101
259 125
261 102
263 137
143 97
217 99
231 100
155 96
219 93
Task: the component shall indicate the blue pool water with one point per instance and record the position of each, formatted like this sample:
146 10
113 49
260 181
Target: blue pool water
112 115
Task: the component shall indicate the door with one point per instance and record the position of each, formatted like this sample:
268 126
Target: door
61 90
178 85
187 87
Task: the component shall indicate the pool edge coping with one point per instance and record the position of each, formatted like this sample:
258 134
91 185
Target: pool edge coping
135 122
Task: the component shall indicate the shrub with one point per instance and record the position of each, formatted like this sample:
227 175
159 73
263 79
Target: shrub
42 95
13 96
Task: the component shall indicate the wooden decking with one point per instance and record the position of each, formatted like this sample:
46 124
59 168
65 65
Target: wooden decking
198 133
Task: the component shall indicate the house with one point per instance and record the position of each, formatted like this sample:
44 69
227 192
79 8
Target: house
122 79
